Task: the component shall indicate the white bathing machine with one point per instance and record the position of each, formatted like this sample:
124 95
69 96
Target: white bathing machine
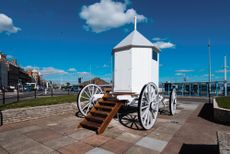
135 82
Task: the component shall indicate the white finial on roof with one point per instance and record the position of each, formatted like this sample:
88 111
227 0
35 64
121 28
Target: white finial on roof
135 22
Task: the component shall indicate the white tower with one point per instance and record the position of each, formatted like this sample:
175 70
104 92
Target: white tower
136 63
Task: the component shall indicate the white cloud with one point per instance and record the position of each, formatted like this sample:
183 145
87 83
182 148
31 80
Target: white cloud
83 73
52 71
72 70
208 75
221 71
6 24
179 74
164 45
108 14
105 66
184 71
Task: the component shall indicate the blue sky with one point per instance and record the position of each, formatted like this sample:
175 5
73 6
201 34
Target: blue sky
68 38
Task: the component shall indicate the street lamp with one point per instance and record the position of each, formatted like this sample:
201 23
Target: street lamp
210 71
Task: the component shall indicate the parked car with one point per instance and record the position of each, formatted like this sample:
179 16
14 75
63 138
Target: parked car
75 88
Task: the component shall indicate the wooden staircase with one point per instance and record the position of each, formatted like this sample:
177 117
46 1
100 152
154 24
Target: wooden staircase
101 114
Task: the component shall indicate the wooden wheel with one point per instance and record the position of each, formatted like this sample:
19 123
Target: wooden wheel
86 100
148 105
172 101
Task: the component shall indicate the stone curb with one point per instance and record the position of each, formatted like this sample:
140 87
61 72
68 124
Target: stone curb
220 114
28 113
223 139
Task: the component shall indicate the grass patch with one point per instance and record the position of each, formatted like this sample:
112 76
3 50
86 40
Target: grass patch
223 102
40 102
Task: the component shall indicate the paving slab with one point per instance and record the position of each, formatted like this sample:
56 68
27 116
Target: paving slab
59 142
43 135
36 149
197 134
160 136
129 137
75 148
116 146
153 144
3 151
60 134
99 151
28 129
140 150
81 134
19 144
96 140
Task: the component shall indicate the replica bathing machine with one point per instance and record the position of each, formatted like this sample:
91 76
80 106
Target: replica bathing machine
135 82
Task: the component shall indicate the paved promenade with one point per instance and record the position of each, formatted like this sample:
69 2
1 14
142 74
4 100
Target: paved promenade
191 130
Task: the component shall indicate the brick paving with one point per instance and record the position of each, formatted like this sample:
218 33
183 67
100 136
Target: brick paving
189 131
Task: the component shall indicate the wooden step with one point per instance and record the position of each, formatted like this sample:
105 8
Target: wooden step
108 119
90 125
99 113
95 119
103 108
107 103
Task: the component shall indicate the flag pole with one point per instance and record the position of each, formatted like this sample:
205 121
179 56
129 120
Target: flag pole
225 76
210 70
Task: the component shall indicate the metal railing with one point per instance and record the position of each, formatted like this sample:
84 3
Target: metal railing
12 97
196 88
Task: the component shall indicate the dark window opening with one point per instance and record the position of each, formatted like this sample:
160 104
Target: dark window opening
154 56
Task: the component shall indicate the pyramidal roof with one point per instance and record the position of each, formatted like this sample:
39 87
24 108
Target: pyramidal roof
134 39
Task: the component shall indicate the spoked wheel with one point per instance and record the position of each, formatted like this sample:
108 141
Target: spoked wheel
173 101
85 100
148 105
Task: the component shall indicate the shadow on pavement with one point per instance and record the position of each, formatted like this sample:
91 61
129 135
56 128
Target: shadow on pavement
199 149
128 117
207 112
79 114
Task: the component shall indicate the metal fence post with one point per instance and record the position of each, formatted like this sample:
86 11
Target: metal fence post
207 89
182 90
1 118
52 91
17 94
35 93
217 92
3 96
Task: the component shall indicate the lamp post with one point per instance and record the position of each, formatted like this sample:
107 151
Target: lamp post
225 76
210 71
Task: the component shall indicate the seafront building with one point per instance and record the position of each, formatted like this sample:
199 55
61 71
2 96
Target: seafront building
12 75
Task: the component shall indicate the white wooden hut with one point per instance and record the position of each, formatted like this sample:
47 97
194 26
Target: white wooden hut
136 63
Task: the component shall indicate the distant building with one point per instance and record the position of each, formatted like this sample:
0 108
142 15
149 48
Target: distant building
24 77
13 74
35 74
3 71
